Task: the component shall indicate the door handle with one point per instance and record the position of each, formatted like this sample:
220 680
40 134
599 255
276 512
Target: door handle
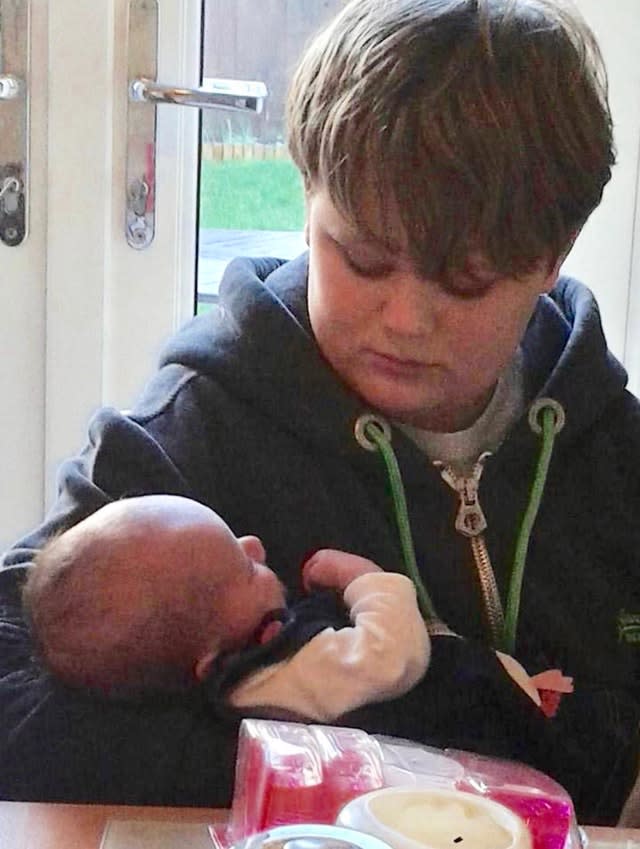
14 120
237 95
144 95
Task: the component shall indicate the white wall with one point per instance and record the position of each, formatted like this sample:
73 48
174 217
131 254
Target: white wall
605 256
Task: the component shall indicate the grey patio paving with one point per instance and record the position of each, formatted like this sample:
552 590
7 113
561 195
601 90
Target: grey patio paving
218 247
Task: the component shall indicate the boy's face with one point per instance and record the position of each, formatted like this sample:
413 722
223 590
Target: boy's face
415 349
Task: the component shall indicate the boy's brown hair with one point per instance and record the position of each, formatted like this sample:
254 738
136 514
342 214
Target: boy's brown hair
481 126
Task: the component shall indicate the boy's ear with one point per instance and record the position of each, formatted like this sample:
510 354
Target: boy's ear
204 663
554 271
552 277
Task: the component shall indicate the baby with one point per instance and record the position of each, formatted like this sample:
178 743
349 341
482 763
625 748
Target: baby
153 593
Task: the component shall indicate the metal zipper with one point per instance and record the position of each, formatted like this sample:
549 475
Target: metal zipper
471 523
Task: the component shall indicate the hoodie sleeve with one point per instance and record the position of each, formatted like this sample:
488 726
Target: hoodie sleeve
167 752
383 655
630 816
121 459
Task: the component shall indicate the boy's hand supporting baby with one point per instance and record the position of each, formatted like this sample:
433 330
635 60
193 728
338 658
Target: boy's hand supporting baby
333 569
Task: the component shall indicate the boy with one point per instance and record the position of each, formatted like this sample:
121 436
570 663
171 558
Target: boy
451 151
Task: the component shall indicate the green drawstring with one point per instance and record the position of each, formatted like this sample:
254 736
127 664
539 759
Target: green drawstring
374 431
373 434
552 423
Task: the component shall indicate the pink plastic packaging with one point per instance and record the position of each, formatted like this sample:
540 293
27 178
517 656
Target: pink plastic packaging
543 804
289 773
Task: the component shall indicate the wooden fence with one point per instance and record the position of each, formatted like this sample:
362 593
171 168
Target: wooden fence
223 151
257 40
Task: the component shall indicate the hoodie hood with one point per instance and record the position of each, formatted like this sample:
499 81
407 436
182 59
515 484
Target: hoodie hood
567 358
258 343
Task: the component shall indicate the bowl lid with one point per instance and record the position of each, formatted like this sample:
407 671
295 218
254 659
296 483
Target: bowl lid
311 836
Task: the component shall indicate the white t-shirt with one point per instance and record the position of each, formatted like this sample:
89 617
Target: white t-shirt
462 448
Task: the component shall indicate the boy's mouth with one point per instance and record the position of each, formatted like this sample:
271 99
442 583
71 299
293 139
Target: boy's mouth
398 367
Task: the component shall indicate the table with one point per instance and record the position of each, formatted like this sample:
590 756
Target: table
34 825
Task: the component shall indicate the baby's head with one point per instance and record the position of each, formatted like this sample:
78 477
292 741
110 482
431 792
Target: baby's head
145 593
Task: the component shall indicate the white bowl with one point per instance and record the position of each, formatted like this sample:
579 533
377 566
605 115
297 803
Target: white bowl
415 818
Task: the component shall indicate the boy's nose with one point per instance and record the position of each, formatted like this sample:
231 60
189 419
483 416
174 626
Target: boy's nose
407 310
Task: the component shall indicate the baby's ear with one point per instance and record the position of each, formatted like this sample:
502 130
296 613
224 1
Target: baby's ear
204 663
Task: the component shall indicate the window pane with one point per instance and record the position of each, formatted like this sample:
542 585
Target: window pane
251 201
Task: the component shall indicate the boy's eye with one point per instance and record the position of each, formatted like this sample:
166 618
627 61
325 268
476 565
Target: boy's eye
468 286
366 267
368 270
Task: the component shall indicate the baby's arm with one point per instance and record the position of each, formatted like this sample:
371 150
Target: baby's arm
336 570
383 654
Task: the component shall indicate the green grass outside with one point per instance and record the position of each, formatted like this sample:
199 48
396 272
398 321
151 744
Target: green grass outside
251 194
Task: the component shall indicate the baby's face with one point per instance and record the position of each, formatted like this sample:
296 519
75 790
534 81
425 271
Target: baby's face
254 591
236 584
247 589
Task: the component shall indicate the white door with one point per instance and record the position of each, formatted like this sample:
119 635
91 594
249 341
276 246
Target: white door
22 283
83 315
109 305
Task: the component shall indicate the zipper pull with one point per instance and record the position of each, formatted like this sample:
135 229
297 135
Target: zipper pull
470 521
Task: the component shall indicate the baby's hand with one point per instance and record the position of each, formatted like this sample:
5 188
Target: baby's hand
334 569
516 671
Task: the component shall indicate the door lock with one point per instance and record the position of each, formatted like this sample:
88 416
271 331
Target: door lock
14 120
